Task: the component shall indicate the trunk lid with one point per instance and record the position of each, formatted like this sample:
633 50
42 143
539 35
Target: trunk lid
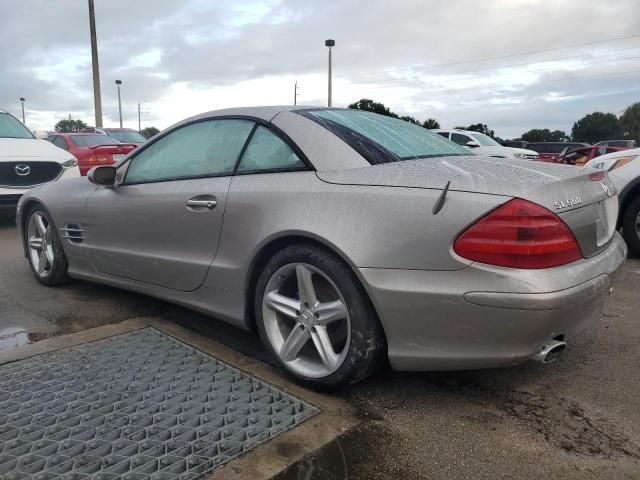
584 199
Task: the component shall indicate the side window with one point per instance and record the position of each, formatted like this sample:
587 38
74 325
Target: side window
200 149
59 142
443 134
267 151
460 139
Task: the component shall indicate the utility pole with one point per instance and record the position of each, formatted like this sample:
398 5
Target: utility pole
118 83
139 122
330 44
22 100
295 93
97 98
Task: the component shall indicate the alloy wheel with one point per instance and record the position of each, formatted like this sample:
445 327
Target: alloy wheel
40 244
306 320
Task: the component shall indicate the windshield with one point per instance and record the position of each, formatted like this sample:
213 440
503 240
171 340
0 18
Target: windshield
485 140
127 136
403 140
12 128
93 140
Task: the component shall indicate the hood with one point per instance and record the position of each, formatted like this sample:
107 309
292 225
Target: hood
524 151
557 187
33 150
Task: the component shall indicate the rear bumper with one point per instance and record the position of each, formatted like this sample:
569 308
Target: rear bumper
483 316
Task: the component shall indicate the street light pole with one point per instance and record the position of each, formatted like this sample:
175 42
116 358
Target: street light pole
97 98
118 83
330 44
22 100
139 122
295 93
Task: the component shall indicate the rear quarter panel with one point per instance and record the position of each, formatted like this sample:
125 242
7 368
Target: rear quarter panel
369 226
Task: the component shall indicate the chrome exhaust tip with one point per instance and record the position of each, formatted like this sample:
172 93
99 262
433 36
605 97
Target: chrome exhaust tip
550 352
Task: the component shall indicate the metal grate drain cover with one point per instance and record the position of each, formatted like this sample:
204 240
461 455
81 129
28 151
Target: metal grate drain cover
138 405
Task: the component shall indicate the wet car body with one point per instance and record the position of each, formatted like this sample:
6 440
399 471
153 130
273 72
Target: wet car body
393 224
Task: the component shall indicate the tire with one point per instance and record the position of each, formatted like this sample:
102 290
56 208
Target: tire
54 272
359 336
630 232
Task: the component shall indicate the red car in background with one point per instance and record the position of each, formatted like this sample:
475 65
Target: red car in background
551 151
580 156
91 149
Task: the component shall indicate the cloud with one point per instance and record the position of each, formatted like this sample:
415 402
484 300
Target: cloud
457 61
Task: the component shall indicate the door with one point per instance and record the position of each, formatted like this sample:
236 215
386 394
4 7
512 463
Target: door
162 224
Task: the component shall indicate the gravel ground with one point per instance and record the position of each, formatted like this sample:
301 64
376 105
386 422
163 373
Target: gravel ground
578 418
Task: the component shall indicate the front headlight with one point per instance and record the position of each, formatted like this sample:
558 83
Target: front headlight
72 162
520 155
622 161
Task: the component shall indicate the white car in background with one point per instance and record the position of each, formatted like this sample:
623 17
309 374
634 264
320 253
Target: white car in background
623 168
26 161
485 145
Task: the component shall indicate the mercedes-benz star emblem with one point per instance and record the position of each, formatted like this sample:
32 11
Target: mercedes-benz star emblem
23 170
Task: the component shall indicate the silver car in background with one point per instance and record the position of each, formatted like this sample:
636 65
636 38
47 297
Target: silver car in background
343 238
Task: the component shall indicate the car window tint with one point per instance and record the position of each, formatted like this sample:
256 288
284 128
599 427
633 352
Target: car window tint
201 149
460 139
59 142
443 134
267 151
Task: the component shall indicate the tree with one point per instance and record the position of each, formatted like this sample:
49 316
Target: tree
544 135
430 123
69 125
482 128
630 121
371 106
149 132
410 119
595 127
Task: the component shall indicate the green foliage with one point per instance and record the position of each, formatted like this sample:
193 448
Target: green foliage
544 135
595 127
69 125
381 109
430 123
630 121
149 132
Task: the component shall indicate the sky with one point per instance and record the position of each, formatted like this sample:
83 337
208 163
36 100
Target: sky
511 64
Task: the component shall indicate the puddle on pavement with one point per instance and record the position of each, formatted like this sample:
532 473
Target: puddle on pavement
349 456
16 337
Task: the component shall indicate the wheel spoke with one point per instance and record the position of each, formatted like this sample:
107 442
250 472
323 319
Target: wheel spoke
42 262
40 224
35 242
281 304
306 290
330 312
294 343
323 345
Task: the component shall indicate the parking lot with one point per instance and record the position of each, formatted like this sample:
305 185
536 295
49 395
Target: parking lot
577 418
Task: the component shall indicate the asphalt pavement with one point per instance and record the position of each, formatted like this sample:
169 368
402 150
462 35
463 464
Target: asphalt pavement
577 418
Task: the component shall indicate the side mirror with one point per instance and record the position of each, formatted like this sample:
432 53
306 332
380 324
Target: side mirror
472 144
103 175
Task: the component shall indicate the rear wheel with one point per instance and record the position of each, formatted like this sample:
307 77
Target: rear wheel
313 316
631 226
44 251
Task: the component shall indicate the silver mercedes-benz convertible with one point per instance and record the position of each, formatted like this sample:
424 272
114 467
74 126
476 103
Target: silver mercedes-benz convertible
343 238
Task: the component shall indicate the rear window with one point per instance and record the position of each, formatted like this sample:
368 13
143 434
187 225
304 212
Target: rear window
127 136
93 140
382 139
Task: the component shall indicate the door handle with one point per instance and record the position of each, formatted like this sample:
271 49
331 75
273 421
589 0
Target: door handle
210 204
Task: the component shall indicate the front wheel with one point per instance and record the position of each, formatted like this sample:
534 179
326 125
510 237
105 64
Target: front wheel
316 320
44 251
631 226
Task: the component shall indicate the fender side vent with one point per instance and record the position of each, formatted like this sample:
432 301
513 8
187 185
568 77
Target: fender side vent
73 232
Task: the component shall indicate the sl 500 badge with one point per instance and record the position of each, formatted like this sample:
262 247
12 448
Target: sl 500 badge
570 202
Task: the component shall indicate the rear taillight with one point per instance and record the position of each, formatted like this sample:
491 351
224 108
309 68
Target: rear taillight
519 234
